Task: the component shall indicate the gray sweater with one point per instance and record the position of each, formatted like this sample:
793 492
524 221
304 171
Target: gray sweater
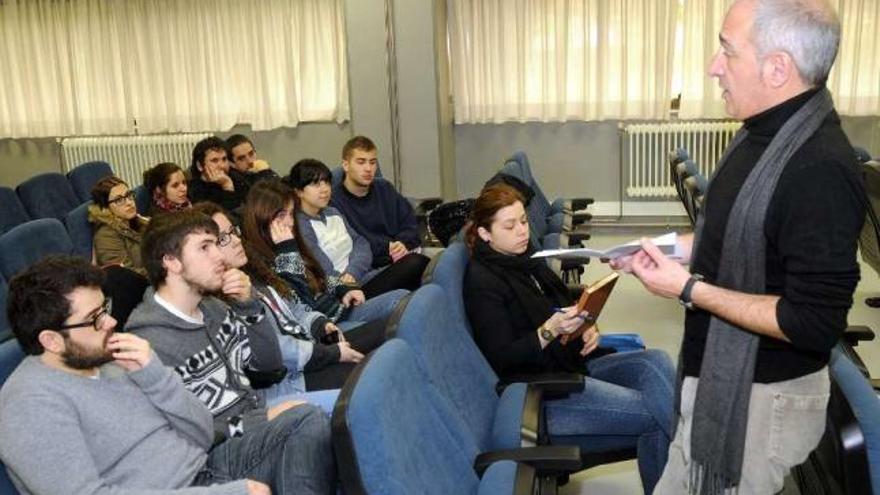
211 357
121 433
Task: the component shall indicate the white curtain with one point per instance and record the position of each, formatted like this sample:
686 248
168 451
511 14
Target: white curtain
81 67
558 60
855 77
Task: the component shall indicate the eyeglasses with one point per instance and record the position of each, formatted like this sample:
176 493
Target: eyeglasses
97 322
225 238
129 196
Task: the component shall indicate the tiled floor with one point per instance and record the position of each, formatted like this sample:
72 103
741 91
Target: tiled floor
660 322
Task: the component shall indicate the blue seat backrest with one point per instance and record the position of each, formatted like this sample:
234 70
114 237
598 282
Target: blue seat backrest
83 177
142 200
80 230
542 204
47 196
401 433
451 357
10 355
449 274
12 212
5 329
865 404
30 242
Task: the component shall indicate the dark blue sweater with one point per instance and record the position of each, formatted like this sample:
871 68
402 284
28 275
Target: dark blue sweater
382 216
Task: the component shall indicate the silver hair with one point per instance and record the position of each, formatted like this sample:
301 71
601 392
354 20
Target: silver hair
808 30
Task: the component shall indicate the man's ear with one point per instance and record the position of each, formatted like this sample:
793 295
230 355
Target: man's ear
51 341
779 69
345 165
172 264
484 234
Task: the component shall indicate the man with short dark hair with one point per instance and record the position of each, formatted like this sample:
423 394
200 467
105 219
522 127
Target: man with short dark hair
93 411
210 178
246 168
379 213
223 350
773 262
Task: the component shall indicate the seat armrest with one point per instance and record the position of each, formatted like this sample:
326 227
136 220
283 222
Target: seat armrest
580 218
547 460
575 238
549 383
857 333
580 203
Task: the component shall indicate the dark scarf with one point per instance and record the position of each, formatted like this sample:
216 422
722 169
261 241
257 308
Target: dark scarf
537 290
721 406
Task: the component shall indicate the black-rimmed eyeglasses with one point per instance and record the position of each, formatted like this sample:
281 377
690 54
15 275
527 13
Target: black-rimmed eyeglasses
129 196
97 321
225 238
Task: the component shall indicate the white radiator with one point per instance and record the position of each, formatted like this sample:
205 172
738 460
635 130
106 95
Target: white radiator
646 149
130 155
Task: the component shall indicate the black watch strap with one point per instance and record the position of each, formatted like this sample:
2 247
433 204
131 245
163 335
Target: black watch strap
685 297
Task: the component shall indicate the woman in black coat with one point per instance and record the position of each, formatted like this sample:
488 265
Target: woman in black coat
522 313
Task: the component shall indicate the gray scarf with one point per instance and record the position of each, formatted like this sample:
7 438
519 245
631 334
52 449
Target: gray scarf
722 401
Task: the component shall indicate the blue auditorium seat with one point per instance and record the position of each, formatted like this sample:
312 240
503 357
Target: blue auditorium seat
13 212
47 195
10 355
80 230
518 166
5 330
30 242
393 434
142 200
83 177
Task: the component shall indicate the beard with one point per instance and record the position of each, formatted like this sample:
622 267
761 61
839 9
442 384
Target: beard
81 358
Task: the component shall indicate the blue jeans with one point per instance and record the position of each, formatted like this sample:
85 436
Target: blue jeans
286 390
376 308
292 454
627 402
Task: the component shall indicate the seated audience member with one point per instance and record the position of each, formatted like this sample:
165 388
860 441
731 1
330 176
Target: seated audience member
271 231
306 337
221 352
511 300
246 168
209 176
168 188
335 245
93 411
117 225
379 213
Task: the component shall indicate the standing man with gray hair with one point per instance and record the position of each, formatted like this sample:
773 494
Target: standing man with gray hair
773 260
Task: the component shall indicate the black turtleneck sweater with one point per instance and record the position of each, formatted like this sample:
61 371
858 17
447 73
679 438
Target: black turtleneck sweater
811 229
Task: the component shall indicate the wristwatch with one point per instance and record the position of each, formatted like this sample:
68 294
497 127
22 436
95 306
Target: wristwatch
546 333
685 297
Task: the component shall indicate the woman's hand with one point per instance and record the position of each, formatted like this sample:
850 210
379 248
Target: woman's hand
353 297
279 231
566 320
347 354
591 340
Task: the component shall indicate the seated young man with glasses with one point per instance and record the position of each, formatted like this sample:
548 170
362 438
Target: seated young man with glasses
93 411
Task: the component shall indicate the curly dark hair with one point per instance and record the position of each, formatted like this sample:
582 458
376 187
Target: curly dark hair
38 296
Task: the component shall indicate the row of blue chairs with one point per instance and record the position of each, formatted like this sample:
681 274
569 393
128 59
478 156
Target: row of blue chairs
49 195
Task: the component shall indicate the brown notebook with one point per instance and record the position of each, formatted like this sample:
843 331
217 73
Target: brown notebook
592 301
